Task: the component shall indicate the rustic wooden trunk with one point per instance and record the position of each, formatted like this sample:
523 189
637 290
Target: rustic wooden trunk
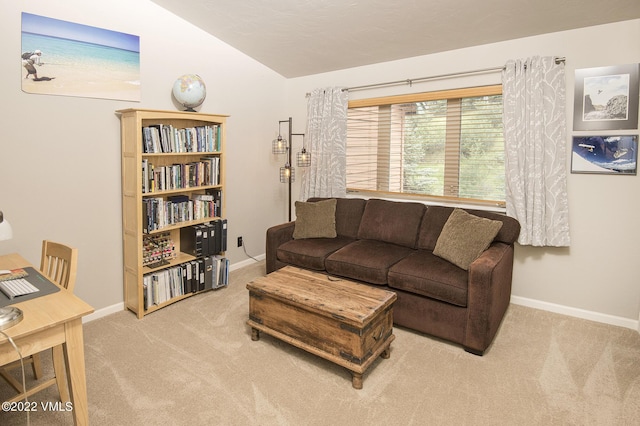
348 323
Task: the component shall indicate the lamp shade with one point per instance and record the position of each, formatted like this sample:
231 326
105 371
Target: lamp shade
304 158
287 174
6 233
279 145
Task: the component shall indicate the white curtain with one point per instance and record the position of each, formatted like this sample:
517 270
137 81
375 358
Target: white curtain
533 93
326 140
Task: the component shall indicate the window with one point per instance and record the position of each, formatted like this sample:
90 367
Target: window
439 144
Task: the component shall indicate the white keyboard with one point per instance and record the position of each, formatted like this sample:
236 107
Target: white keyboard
17 287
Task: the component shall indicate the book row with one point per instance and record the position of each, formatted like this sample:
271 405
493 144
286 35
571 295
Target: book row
178 176
158 213
165 138
207 273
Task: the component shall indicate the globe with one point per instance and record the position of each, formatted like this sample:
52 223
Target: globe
189 90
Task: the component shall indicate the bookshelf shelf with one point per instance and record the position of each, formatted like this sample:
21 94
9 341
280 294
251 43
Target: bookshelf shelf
172 301
179 190
160 179
179 154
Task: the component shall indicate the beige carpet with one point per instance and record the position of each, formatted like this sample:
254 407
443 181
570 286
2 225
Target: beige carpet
194 363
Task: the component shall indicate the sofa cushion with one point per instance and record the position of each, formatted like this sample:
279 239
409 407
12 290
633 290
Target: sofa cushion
391 222
426 274
436 216
315 220
366 260
464 237
310 253
348 215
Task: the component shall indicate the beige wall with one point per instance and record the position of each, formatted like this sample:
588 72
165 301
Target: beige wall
597 277
60 156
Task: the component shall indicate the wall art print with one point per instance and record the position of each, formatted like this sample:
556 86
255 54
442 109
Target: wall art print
70 59
605 154
606 98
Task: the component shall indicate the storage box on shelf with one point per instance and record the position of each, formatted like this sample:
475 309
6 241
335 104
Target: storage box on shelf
173 180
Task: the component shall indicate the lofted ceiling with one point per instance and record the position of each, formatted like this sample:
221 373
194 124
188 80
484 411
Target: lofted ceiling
303 37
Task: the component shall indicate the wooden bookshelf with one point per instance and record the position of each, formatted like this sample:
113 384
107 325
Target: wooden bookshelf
136 189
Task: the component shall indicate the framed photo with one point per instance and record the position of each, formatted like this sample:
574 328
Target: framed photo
605 154
606 98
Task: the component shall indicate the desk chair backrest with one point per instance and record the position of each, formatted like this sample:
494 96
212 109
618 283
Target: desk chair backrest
59 263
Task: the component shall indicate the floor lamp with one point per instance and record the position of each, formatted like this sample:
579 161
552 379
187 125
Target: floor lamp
282 145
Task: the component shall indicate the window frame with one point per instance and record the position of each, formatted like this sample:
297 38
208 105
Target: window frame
468 92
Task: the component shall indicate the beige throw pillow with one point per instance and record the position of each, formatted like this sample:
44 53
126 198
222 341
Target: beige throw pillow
315 220
464 237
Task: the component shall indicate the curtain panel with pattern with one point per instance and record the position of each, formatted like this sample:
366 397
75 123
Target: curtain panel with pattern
326 134
534 117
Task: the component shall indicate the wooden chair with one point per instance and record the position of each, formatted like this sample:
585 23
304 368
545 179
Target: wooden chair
59 264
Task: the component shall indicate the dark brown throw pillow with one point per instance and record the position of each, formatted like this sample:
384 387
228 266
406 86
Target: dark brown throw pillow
464 237
315 220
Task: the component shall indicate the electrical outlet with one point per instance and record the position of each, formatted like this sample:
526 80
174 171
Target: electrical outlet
239 241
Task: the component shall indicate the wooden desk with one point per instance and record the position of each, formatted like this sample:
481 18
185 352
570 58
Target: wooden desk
51 320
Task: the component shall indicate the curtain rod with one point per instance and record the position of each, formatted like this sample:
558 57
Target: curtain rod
410 81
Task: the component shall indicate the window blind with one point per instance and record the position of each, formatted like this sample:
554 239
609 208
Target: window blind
442 144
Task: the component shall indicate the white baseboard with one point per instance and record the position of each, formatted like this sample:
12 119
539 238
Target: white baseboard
577 312
104 312
246 262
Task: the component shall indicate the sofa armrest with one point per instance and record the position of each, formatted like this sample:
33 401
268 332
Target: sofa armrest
276 236
489 295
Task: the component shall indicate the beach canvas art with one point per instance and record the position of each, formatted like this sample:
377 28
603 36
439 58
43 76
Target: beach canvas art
70 59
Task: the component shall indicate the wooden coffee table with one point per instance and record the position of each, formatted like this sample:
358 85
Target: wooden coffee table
347 323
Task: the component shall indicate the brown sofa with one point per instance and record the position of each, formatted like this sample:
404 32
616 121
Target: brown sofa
391 244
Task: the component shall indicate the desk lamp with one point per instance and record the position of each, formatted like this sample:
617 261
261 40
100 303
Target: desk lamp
9 315
6 233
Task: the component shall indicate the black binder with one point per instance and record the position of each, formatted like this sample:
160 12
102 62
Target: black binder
223 236
213 238
204 231
201 273
192 276
191 240
208 273
186 285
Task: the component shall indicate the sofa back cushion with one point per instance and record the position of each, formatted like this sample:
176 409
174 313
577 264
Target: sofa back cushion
436 216
348 215
392 222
